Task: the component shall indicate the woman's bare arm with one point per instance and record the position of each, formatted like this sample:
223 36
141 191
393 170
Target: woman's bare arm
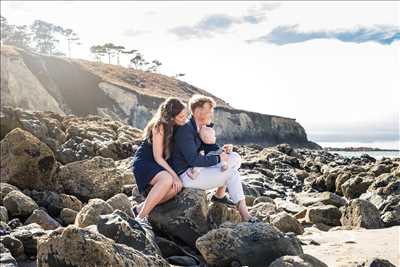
158 148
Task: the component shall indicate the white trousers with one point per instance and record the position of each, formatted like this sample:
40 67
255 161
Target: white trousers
212 177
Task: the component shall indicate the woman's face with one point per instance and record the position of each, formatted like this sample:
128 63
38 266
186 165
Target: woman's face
181 118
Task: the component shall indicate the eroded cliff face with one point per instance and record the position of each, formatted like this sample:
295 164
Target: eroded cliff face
43 83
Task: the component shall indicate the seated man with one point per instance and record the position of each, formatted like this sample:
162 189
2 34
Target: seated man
185 154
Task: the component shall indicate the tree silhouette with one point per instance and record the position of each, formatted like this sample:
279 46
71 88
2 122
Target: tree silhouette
15 35
44 36
98 51
138 61
70 36
155 64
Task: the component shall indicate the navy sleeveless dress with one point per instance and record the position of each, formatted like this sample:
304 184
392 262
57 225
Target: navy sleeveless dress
144 166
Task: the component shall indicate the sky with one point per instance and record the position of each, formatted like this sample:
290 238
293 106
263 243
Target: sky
333 66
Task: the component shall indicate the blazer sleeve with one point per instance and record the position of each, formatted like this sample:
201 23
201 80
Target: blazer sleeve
184 141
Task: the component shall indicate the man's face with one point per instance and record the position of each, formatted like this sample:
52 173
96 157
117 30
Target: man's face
204 114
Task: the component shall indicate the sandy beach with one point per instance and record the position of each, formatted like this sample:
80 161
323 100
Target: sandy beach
346 248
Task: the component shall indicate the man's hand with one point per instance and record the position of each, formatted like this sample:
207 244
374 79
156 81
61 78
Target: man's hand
223 156
227 148
176 184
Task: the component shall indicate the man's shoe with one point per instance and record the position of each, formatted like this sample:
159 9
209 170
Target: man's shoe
253 220
144 223
224 200
135 211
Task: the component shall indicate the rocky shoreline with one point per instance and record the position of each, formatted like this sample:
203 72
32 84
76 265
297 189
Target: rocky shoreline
67 188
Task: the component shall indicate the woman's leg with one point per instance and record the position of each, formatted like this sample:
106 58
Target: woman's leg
169 195
161 186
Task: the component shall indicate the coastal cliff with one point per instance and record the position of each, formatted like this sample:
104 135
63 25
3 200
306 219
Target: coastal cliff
79 87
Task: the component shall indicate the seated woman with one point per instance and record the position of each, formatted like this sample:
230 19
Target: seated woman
155 179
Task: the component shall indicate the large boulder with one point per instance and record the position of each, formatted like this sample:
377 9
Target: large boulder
376 262
93 178
74 246
90 213
14 245
263 210
287 223
390 214
6 188
361 213
3 214
304 260
327 214
54 202
354 187
121 202
341 179
219 213
184 217
6 259
41 217
125 230
26 162
29 235
325 198
252 244
19 204
386 184
379 169
68 216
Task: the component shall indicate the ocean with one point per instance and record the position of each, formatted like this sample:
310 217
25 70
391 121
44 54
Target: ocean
374 154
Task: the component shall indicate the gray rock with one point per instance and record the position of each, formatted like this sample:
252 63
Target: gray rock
219 213
361 213
287 223
68 216
74 246
90 213
304 260
121 202
125 230
327 214
183 217
376 262
5 189
354 187
252 244
41 217
14 245
26 162
29 236
55 202
6 259
19 204
93 178
3 214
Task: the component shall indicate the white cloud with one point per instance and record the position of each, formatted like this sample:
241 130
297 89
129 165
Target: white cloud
327 85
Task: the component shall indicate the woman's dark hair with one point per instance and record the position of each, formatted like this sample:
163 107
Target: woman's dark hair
165 116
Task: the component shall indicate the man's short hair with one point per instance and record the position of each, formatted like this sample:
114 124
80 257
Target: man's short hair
197 101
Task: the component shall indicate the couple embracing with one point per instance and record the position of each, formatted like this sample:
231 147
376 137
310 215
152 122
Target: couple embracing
178 151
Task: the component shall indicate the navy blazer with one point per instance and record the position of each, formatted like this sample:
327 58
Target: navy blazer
186 147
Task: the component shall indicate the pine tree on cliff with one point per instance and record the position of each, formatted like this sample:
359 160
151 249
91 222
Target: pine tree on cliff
44 36
15 35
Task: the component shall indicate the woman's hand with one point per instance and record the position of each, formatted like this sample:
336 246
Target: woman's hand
176 184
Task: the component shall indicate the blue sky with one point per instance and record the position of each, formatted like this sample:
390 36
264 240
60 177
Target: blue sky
331 65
